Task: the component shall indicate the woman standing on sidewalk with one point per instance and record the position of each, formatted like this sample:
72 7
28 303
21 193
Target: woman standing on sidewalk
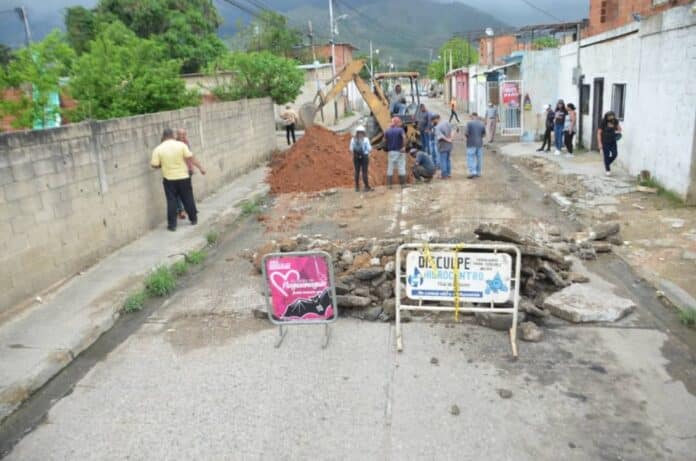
558 124
569 128
607 134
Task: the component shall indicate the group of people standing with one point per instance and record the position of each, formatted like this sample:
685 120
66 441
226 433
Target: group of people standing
433 153
562 122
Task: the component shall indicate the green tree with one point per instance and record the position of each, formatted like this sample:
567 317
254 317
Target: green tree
186 28
81 27
545 42
37 70
269 32
5 55
417 66
242 75
462 53
122 74
365 71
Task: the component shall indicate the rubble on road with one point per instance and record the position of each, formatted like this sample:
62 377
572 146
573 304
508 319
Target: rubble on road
587 303
365 271
530 332
602 231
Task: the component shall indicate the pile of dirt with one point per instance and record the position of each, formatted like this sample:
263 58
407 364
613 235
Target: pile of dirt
321 160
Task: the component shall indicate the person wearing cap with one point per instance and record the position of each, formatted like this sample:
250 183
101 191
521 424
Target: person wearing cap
395 138
443 136
424 168
361 148
548 128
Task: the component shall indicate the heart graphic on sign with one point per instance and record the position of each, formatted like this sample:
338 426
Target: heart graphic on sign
278 278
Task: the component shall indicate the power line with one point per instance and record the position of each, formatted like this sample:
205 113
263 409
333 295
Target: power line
244 8
541 10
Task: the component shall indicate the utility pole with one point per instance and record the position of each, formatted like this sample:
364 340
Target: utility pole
372 68
580 83
22 12
311 40
332 26
333 42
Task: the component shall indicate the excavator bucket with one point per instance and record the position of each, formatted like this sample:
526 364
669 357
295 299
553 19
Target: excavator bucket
307 113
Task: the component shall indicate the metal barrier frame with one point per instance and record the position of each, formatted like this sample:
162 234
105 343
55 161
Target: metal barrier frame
467 307
282 325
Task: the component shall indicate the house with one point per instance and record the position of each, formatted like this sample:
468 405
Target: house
343 52
643 72
456 85
606 15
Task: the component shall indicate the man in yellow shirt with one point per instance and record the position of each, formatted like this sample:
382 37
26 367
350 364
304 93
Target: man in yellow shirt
170 156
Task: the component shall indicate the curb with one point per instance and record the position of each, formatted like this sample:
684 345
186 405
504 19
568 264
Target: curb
12 397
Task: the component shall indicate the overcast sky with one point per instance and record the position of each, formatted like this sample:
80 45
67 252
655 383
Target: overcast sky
47 14
518 12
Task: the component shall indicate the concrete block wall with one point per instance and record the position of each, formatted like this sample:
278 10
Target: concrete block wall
73 194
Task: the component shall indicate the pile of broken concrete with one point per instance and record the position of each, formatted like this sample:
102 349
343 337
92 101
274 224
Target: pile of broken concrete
365 272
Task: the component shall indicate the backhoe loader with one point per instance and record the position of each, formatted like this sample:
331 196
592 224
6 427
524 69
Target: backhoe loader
373 94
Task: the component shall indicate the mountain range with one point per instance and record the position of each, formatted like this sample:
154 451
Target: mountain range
402 29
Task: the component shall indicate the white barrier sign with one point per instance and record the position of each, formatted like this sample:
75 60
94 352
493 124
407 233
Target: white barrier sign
483 277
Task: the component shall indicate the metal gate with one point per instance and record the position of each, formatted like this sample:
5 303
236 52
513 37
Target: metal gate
510 108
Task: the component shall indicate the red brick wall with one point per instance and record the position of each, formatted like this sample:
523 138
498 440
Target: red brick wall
344 54
503 45
610 14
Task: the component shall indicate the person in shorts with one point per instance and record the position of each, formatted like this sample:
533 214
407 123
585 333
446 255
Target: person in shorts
395 138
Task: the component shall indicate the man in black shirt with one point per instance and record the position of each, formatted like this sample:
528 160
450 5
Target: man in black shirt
607 133
548 129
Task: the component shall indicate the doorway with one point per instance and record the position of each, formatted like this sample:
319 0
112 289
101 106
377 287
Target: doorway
597 107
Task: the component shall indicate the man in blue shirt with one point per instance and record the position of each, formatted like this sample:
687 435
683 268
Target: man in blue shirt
443 136
423 118
475 133
424 169
395 138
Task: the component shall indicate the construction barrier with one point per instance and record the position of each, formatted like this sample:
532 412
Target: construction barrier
481 278
299 290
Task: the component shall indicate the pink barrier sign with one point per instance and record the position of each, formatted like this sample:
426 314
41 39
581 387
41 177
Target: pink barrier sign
300 288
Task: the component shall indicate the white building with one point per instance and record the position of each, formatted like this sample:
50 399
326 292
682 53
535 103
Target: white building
642 71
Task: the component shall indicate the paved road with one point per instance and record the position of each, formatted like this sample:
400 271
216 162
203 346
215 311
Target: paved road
201 379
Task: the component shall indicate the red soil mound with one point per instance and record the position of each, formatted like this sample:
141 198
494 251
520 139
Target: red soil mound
321 160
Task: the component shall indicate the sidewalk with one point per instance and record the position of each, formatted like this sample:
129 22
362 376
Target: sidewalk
42 339
659 234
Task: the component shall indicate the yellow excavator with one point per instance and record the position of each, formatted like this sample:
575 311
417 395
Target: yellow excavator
379 104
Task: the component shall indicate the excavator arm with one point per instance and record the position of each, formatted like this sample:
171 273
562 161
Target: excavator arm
374 98
351 73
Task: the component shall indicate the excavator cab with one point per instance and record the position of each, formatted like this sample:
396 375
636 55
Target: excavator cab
375 98
408 83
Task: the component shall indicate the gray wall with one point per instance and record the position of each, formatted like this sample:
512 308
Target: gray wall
71 195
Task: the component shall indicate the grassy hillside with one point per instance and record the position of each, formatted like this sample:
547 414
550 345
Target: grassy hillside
404 30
